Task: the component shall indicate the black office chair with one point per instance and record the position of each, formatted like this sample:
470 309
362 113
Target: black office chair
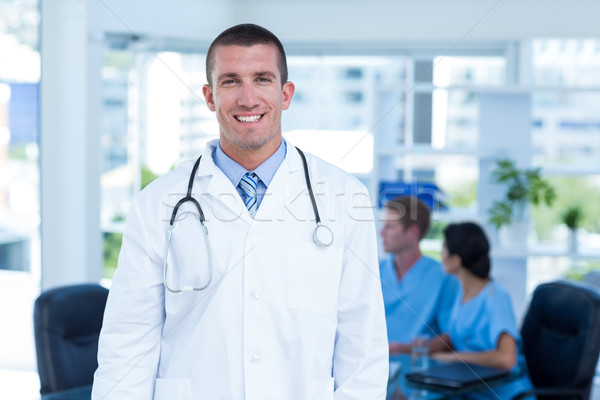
561 340
67 322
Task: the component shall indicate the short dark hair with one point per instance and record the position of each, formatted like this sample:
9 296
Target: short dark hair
469 242
246 35
411 211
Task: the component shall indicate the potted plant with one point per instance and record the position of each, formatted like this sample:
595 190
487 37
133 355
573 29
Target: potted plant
523 187
572 218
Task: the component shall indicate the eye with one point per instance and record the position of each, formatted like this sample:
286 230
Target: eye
264 80
228 82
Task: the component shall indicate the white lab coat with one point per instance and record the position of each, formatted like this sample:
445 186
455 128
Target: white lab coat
282 319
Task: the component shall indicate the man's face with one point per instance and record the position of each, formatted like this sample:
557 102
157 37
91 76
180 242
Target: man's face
248 97
396 238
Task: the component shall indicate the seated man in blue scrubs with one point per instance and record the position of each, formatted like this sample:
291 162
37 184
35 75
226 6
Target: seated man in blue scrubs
418 295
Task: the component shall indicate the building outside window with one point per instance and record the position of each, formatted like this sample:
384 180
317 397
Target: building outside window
19 192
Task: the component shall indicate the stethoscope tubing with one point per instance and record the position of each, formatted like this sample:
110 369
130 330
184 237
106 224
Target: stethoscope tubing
322 236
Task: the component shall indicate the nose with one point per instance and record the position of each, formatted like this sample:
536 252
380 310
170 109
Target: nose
248 96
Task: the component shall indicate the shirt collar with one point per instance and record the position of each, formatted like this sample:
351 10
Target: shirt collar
234 171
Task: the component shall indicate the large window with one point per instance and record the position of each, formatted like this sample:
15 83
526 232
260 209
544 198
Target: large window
19 194
403 118
19 182
426 129
154 116
436 138
566 144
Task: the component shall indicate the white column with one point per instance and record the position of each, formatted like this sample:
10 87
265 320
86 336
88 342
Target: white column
71 52
504 132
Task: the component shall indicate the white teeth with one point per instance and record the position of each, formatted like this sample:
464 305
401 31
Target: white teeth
252 118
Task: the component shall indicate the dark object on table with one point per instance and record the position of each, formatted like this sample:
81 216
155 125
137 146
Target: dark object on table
457 375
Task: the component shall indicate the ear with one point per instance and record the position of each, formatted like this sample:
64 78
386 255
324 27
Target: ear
415 232
288 92
208 97
456 260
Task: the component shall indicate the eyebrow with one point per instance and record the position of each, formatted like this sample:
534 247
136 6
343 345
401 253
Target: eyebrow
266 73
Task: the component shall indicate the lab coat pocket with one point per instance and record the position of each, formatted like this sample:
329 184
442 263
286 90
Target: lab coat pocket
313 277
173 389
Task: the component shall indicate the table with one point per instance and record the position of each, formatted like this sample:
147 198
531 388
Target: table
80 393
399 388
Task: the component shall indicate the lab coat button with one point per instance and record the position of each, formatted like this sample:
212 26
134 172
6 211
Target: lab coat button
255 295
255 360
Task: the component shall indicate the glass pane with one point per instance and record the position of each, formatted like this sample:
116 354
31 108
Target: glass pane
455 175
153 117
390 121
455 119
566 128
338 93
19 182
546 269
566 62
19 195
484 71
581 192
333 112
118 178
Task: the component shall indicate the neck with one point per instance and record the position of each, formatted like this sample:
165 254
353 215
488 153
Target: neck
472 285
404 260
248 157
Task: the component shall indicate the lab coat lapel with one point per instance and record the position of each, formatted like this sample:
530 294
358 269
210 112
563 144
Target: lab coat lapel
221 189
285 190
297 201
288 185
285 193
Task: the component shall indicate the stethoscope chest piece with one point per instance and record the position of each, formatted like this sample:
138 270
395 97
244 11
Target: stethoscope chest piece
323 235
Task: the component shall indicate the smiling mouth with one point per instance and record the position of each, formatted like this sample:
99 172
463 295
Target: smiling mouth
249 118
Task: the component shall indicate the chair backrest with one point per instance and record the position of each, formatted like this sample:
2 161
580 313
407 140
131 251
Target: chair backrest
561 335
67 322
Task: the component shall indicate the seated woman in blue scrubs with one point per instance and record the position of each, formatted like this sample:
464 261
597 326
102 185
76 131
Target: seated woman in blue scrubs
482 324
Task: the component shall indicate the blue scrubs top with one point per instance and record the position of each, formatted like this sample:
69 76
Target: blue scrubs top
420 303
477 325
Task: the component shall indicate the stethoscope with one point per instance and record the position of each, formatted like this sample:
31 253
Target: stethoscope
322 236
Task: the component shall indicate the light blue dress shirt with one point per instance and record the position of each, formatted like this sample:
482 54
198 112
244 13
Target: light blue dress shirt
477 324
420 303
265 171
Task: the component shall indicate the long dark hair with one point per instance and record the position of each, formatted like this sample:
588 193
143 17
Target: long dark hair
469 242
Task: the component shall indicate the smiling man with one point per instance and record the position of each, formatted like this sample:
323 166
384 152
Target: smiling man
284 300
248 93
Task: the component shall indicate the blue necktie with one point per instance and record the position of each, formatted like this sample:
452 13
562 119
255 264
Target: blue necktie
248 184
